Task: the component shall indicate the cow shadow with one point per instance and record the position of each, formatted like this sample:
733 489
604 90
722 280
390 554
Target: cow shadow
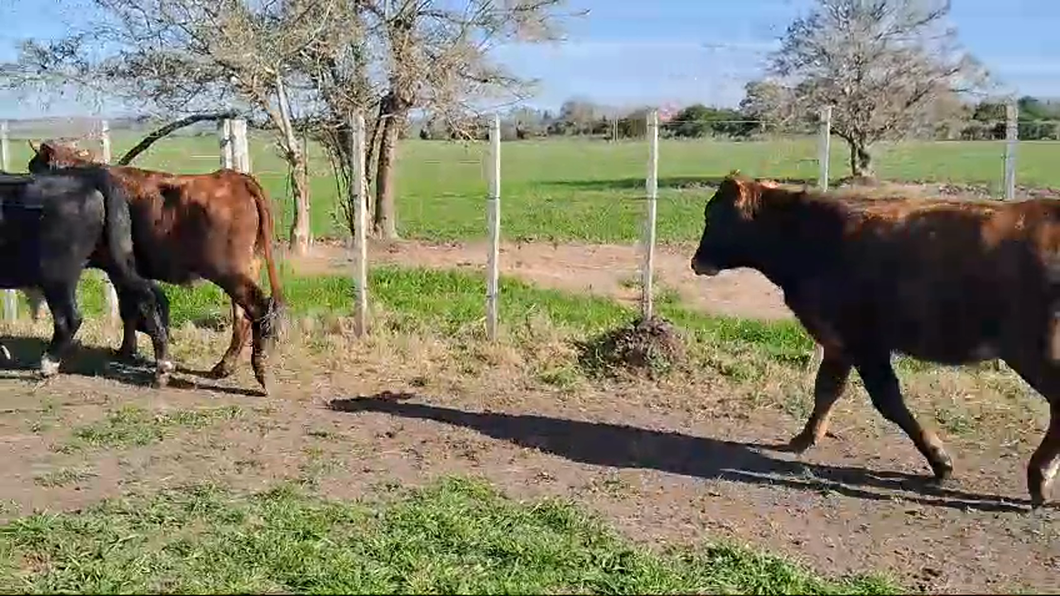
89 361
622 446
671 182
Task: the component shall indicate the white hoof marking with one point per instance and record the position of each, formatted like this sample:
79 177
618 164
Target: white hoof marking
48 367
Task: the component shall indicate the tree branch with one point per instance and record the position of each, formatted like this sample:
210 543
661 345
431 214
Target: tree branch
168 129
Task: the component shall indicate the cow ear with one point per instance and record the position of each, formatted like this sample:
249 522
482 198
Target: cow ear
36 148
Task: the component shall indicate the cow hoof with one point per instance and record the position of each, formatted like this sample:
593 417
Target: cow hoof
220 370
48 367
125 355
162 372
943 471
799 444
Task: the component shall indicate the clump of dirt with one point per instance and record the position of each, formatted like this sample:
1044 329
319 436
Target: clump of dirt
651 347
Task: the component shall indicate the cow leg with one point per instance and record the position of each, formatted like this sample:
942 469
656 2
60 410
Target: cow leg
66 320
882 385
243 291
1043 464
828 387
1041 469
143 304
133 319
240 333
130 317
155 321
35 299
241 329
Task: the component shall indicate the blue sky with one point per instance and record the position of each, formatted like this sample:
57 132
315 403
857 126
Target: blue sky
629 52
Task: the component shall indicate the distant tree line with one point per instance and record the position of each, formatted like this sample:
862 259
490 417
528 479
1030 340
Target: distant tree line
1038 119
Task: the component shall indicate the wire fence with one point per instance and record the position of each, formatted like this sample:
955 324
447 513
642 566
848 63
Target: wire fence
638 181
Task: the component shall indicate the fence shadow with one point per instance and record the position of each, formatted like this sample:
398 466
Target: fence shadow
672 182
623 446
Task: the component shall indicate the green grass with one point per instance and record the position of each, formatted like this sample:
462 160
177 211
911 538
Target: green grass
452 302
456 536
583 190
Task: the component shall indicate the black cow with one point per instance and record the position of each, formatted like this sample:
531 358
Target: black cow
55 224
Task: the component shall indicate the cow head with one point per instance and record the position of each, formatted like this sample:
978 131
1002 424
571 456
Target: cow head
51 155
729 230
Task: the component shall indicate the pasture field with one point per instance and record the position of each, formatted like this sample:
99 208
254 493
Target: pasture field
585 190
423 458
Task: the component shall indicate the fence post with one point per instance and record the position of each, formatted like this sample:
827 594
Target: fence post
824 157
652 187
360 236
105 155
240 145
10 296
824 148
224 134
104 141
1011 141
493 223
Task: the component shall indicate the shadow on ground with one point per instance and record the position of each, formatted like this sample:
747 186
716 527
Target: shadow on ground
91 361
622 446
673 182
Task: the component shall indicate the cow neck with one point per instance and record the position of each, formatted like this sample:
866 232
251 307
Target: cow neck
803 233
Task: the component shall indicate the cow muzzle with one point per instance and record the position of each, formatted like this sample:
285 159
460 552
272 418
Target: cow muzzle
701 268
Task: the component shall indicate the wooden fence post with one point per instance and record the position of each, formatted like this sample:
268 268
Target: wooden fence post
1012 133
10 296
224 134
647 309
112 294
360 235
240 145
824 148
493 223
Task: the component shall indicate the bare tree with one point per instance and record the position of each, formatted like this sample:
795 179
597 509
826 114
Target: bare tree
881 64
179 55
415 54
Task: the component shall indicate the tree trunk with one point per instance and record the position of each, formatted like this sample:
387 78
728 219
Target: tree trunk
384 217
371 165
298 237
860 159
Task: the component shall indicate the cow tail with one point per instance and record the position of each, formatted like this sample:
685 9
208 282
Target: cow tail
117 224
265 229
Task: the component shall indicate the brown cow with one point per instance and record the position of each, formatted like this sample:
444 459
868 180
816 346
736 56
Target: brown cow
200 226
947 281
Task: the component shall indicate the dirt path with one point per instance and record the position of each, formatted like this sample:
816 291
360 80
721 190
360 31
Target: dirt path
606 270
672 474
665 464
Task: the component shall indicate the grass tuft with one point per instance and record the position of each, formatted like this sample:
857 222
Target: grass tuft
131 426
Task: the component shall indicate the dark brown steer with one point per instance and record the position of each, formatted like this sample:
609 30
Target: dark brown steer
953 282
214 226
